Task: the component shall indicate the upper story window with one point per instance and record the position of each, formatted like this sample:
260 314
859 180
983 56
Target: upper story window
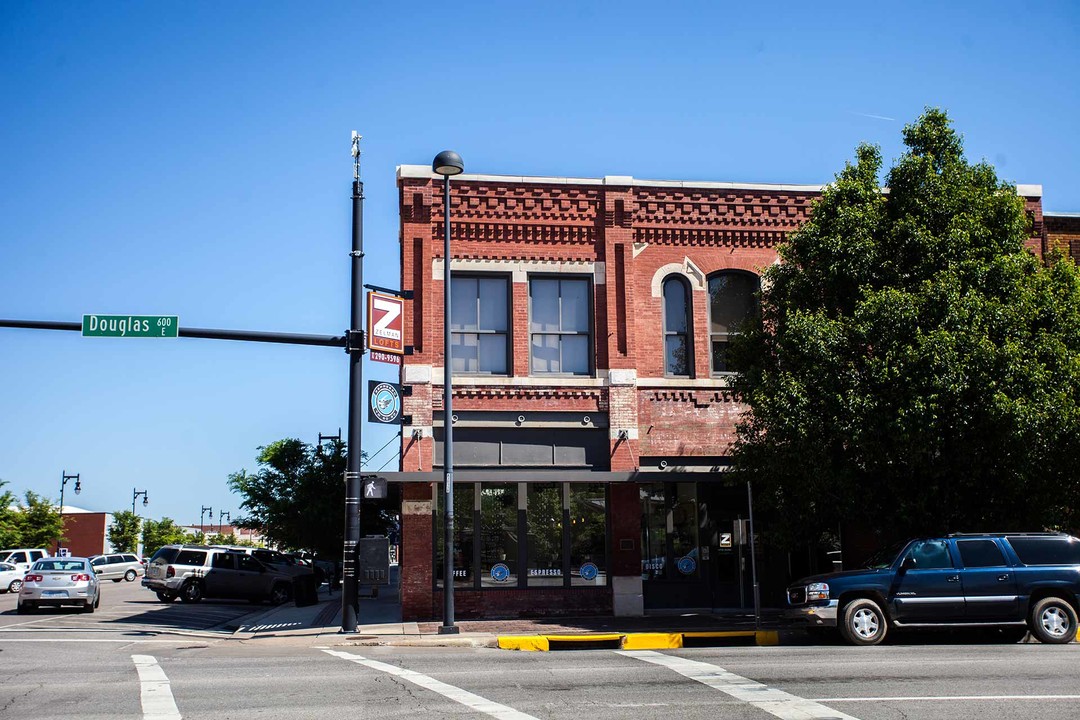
560 326
678 353
732 300
479 318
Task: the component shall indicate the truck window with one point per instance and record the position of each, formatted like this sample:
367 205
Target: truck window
980 553
1046 550
930 555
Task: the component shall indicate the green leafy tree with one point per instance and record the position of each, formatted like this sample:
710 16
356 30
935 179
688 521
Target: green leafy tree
39 522
123 532
10 533
156 533
296 498
914 365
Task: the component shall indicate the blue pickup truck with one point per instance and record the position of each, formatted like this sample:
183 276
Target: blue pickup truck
1021 581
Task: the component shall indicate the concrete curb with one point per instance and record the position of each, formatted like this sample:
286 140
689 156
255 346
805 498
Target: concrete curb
638 641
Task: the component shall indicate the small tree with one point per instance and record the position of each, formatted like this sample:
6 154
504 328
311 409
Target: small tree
40 524
10 533
124 531
157 533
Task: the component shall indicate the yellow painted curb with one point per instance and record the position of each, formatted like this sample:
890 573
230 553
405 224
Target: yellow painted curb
528 643
652 641
768 637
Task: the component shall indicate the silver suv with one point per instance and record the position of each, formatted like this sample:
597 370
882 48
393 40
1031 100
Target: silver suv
194 572
117 567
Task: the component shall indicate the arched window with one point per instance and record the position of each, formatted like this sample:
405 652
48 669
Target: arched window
678 348
732 299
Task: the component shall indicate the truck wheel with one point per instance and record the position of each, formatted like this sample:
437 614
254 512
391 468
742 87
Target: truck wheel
165 597
280 594
1053 620
192 592
863 622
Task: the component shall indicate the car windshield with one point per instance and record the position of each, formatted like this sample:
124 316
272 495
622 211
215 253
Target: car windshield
60 564
884 557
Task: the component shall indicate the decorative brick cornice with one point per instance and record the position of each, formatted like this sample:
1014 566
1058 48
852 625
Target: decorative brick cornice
525 233
699 398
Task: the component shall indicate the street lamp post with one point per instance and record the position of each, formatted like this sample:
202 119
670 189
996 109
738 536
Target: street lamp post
447 163
64 477
202 512
135 496
220 517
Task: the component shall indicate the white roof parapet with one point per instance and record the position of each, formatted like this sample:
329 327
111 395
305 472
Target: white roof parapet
424 171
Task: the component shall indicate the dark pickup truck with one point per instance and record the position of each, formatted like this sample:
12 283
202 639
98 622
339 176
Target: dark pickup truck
1026 581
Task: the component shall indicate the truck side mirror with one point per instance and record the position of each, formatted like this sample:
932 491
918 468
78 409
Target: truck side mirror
908 563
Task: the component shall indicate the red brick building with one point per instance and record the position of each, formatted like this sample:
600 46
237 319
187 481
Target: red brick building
592 410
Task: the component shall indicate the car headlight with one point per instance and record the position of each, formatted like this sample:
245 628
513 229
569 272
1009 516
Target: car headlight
817 591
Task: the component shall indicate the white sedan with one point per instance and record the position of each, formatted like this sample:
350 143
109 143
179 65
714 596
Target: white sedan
10 578
60 581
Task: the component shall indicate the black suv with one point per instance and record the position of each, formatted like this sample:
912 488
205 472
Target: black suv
1026 581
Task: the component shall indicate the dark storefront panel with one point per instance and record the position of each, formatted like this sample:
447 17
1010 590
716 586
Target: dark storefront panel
526 447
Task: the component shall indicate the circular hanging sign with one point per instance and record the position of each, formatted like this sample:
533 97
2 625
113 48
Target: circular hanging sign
687 565
385 403
499 572
588 571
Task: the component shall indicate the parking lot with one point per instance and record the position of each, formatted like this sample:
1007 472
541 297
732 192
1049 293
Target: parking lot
129 607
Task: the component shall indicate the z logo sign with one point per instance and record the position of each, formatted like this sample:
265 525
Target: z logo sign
386 323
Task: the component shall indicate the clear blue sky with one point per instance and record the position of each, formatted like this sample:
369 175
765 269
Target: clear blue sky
193 159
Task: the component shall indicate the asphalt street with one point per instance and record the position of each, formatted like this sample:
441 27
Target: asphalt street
116 665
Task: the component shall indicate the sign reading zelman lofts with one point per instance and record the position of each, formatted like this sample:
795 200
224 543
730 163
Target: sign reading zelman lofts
141 326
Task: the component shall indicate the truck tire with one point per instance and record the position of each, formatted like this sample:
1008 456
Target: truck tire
192 592
1053 621
165 597
863 622
280 593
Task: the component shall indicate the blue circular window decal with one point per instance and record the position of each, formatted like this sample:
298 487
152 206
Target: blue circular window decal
687 565
499 572
588 571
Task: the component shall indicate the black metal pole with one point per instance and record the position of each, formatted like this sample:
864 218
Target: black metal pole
448 627
206 333
63 482
350 600
753 558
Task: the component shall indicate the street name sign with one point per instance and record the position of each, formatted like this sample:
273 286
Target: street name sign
142 326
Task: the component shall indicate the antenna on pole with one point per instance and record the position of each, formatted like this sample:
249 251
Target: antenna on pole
356 138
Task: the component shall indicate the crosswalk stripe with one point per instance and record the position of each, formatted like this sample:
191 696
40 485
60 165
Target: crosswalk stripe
775 702
466 698
155 693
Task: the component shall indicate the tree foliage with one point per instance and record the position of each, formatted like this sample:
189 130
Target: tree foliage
10 533
123 532
914 365
156 533
296 498
39 522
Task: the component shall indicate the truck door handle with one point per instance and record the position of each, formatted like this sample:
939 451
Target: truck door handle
953 578
1004 577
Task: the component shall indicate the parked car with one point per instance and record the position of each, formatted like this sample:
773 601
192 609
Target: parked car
1014 581
117 567
23 558
60 581
194 572
10 578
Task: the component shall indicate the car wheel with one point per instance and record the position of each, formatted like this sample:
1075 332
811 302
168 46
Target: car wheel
88 607
15 586
24 608
192 592
130 576
1053 620
97 600
165 597
116 579
863 622
280 594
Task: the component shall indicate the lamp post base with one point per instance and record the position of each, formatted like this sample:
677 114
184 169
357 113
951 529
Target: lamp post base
449 630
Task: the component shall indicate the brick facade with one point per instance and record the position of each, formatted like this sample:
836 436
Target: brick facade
626 235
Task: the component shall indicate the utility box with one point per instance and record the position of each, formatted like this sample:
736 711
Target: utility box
373 554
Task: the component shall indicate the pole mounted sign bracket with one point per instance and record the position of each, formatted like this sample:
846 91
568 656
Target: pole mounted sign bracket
354 341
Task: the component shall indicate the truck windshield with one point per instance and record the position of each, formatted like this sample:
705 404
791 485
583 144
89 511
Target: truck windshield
884 557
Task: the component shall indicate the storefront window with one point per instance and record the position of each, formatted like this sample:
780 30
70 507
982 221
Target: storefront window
498 535
588 534
653 531
544 516
464 499
684 531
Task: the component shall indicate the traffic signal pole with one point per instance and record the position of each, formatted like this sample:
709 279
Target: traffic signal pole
354 346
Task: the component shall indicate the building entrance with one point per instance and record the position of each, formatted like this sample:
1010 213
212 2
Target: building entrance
695 548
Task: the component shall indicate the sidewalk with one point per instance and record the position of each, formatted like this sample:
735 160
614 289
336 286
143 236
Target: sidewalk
379 623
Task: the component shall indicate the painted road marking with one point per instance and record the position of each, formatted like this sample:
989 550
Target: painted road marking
938 698
466 698
156 695
163 641
775 702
